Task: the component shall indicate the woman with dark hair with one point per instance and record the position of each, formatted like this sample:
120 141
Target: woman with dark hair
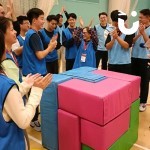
2 49
14 116
10 64
86 41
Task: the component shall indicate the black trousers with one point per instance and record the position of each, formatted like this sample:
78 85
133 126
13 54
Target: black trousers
140 68
69 64
125 68
35 118
52 67
101 55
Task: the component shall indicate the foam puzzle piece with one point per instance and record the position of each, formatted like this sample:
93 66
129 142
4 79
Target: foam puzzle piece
49 113
69 131
98 102
102 137
134 80
126 141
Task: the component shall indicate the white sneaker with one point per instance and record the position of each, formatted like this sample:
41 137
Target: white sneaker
142 107
36 125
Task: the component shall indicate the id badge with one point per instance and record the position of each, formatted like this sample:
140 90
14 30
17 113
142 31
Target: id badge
83 57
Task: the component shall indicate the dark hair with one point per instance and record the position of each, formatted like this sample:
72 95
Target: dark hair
20 19
1 5
88 29
52 17
34 13
102 13
145 12
2 48
72 15
59 16
4 24
115 15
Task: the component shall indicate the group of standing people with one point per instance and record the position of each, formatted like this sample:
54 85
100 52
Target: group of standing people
36 54
126 53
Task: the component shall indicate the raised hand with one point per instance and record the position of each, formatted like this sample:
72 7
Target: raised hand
29 79
63 9
43 82
141 28
114 34
53 43
9 12
81 22
91 22
55 37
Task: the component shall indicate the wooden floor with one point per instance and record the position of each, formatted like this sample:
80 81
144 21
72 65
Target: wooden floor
143 142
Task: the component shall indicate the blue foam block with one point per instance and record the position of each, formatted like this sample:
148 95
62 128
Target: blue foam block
49 114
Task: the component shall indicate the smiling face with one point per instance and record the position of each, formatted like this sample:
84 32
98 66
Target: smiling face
61 20
103 20
10 35
72 22
86 34
39 22
144 19
25 25
52 25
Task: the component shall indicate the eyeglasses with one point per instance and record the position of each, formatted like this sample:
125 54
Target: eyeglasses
84 32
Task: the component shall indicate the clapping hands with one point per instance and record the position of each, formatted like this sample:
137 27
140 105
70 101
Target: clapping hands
38 81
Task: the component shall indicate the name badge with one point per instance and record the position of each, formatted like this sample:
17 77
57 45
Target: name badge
83 57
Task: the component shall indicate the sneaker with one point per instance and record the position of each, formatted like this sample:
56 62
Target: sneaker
142 107
36 125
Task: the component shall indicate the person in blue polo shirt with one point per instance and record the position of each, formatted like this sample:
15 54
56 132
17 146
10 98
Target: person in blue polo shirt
140 57
118 46
102 53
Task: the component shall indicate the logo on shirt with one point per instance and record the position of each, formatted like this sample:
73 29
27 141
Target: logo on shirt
121 24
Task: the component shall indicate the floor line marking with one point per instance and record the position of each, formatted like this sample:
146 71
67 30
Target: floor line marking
40 142
139 146
34 139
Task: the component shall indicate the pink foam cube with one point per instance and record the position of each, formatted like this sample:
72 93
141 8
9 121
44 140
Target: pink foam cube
69 131
102 137
98 102
134 81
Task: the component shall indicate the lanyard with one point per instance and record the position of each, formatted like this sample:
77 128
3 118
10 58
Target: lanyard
12 56
85 45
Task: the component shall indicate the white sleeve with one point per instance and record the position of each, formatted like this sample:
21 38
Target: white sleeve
15 45
12 71
14 106
24 88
